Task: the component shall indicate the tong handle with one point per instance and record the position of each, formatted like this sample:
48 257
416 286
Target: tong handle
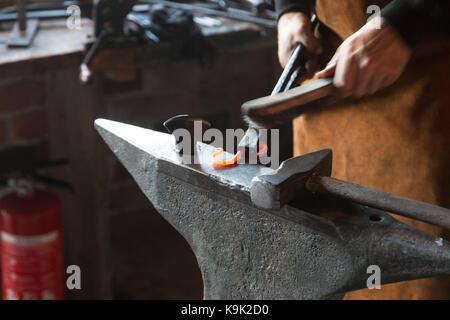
292 64
293 67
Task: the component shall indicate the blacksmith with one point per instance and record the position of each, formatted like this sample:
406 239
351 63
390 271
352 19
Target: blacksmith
392 129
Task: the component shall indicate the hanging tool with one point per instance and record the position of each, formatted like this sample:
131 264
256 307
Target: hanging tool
109 16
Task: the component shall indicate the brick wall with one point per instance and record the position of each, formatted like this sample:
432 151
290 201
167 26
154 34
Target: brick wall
23 116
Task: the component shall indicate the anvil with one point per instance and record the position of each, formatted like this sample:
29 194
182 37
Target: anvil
313 249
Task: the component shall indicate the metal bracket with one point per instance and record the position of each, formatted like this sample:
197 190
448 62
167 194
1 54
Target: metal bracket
23 39
24 30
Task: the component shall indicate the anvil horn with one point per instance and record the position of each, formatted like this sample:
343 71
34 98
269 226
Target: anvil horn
317 249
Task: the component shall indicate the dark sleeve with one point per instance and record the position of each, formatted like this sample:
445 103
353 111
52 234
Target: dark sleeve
283 6
417 20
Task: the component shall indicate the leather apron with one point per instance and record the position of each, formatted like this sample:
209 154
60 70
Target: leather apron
397 140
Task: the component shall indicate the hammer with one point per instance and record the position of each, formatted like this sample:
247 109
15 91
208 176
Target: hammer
287 80
311 172
275 110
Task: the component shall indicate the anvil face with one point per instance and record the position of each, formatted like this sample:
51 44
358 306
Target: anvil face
162 147
316 250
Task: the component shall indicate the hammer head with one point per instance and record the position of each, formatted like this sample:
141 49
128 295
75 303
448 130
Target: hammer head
288 181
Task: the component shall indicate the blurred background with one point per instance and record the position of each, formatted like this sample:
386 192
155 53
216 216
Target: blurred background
142 62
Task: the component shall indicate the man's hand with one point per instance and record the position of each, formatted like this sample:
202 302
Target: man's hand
371 59
295 28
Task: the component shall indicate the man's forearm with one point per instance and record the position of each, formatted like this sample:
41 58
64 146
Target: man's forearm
283 6
415 20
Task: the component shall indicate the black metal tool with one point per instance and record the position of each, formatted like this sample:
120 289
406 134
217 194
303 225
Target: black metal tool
41 15
85 72
119 24
402 206
311 172
293 67
24 30
191 124
109 17
239 15
32 175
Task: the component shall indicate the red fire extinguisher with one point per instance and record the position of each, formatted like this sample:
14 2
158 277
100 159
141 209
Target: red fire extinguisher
31 245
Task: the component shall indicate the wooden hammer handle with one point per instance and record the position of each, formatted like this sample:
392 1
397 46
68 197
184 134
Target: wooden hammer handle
290 99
